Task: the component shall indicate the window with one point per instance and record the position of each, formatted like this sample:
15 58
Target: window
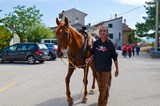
42 46
54 41
22 47
110 25
47 41
12 48
31 47
111 35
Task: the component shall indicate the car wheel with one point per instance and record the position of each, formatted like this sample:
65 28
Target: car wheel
54 58
42 61
1 60
50 56
31 60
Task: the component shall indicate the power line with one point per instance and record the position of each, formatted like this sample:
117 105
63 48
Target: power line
123 13
130 10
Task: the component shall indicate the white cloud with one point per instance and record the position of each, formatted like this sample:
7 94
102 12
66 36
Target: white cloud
133 2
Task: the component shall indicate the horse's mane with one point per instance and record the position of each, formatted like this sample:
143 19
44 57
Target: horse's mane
73 29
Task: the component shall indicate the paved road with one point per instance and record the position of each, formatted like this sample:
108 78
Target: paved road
43 84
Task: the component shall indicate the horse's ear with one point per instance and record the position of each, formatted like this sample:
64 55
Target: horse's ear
66 21
57 21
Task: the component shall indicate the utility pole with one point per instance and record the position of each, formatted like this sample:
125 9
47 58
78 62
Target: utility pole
156 29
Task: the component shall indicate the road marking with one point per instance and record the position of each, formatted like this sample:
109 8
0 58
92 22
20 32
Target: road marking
6 87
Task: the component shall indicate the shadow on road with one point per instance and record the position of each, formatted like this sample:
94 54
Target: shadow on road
63 102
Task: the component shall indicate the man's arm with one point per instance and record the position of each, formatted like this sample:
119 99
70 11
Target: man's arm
88 60
117 70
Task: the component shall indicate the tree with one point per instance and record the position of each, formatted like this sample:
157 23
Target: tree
5 37
38 32
144 29
21 19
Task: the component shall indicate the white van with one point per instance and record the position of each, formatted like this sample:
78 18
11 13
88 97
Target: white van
49 41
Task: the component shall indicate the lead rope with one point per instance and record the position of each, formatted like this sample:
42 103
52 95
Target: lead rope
74 66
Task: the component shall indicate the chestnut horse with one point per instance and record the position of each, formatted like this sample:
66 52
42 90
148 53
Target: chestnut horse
78 49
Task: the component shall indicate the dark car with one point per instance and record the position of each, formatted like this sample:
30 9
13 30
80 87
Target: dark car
52 51
30 52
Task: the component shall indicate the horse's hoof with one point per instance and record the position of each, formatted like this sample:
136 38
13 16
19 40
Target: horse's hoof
91 92
70 103
84 100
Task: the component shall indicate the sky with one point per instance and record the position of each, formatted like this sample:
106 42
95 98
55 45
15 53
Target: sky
97 10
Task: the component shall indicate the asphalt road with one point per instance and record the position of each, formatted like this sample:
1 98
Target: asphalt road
22 84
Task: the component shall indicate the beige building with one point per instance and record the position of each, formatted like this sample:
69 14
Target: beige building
126 32
74 16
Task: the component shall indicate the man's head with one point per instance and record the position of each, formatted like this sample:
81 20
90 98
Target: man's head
103 32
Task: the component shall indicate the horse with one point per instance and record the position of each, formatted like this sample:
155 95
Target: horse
78 48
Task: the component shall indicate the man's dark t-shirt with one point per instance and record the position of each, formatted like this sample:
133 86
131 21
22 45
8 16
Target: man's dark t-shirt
103 53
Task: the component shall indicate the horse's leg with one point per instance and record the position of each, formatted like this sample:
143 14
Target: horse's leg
94 79
85 81
67 80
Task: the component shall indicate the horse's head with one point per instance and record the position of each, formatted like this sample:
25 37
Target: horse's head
63 36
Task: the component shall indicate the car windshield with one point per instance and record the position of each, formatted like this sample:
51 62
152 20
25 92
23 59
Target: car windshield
42 46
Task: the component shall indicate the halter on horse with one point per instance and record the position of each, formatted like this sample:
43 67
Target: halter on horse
78 47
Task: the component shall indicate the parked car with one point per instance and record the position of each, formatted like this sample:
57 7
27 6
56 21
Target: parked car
49 41
30 52
52 51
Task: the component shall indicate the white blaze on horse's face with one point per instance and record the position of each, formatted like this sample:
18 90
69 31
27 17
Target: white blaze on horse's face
62 34
60 30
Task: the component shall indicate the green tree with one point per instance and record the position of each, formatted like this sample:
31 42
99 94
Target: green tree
21 19
143 29
38 32
5 37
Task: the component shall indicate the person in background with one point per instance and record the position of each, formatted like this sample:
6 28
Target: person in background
137 50
133 49
129 50
103 53
124 50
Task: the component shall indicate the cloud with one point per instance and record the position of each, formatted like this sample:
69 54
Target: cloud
133 2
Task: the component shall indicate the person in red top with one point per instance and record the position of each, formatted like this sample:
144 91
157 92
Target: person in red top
124 50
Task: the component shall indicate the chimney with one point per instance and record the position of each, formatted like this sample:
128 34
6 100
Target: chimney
115 15
124 21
